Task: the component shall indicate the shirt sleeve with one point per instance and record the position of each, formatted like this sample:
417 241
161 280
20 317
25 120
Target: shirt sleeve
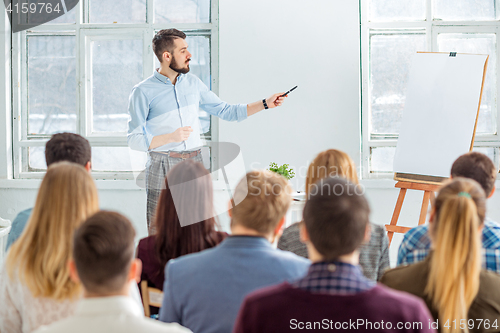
168 311
403 249
138 137
11 318
212 104
384 263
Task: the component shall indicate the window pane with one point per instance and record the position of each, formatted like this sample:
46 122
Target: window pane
182 11
69 17
116 69
396 10
199 46
382 159
36 158
51 84
470 10
390 61
117 159
111 11
478 44
490 152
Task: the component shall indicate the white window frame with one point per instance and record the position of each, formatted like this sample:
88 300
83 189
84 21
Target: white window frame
431 29
86 32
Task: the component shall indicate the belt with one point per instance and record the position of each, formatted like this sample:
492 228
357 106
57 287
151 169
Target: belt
182 155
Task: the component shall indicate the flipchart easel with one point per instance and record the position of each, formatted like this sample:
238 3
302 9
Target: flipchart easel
428 184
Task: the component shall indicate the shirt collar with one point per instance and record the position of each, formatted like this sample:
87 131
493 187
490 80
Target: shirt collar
246 242
108 305
162 78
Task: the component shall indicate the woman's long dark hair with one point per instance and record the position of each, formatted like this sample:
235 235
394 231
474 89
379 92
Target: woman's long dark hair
193 194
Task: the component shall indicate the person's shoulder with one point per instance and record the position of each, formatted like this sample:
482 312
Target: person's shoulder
417 232
488 282
144 85
194 260
150 325
399 301
23 215
290 257
291 232
146 244
400 276
264 294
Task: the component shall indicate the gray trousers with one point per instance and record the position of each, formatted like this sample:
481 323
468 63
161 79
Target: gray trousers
158 166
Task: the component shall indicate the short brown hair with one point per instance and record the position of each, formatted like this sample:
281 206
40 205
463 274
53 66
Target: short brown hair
69 147
103 251
476 166
164 41
262 198
336 217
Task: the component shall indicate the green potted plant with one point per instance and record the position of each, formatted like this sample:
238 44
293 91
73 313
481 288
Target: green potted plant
283 170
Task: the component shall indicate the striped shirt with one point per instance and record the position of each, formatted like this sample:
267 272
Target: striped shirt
416 246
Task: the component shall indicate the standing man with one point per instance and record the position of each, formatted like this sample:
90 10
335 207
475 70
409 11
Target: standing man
164 113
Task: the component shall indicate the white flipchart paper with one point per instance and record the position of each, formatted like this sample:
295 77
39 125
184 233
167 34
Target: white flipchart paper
440 112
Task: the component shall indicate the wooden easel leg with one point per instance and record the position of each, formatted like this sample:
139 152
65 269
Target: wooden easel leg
397 210
425 206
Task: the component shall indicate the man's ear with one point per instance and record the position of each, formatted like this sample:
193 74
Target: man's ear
135 270
368 233
230 208
166 56
492 192
432 215
279 228
73 273
304 235
88 166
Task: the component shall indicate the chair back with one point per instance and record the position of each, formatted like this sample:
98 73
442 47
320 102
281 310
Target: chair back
150 297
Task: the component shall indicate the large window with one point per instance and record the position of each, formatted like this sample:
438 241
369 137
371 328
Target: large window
391 32
75 74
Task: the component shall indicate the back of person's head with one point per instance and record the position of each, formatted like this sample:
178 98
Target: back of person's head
184 217
163 41
67 196
336 216
458 214
68 147
103 250
331 163
476 166
262 198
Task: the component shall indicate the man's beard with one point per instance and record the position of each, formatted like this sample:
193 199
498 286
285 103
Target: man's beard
174 66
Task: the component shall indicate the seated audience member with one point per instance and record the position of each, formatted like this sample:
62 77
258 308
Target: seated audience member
61 147
35 286
103 261
334 292
374 254
450 279
172 240
416 243
203 291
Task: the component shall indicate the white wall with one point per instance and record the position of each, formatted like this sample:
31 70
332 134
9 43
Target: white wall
268 46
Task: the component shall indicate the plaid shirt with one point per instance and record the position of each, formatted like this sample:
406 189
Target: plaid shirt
416 246
336 278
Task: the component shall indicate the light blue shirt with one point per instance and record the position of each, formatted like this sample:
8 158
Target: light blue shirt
157 107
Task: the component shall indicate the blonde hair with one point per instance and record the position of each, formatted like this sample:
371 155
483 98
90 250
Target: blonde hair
455 266
262 199
67 196
331 163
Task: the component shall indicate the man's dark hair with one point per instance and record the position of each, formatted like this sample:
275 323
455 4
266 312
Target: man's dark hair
336 216
164 41
69 147
103 249
476 166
